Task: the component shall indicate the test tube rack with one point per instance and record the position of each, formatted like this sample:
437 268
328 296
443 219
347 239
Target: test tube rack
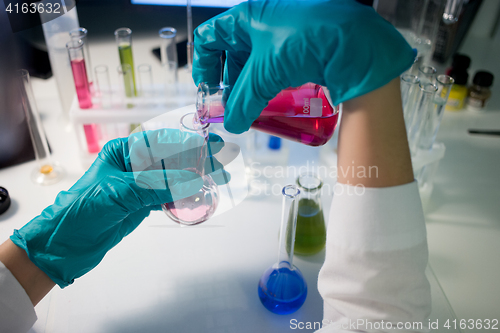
115 121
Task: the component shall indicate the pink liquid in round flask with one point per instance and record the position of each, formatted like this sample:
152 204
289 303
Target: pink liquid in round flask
197 208
301 114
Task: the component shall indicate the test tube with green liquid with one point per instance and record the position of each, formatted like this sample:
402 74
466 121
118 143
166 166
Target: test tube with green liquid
124 41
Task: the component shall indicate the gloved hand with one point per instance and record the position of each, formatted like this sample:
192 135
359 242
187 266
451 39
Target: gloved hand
275 44
130 178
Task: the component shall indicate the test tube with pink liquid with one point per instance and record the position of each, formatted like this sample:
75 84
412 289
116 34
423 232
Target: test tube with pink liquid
77 60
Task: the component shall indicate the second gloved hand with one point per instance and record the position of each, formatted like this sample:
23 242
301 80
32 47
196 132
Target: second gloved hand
130 178
275 44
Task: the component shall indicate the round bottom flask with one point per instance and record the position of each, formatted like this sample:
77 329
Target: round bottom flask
197 208
282 288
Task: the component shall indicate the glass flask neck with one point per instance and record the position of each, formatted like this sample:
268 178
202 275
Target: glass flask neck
288 225
310 186
194 137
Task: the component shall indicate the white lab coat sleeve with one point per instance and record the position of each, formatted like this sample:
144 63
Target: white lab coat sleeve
373 277
17 314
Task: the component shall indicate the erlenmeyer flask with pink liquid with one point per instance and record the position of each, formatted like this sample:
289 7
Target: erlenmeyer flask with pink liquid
301 114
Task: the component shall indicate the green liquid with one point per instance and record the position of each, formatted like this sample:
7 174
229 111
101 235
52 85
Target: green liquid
125 52
310 236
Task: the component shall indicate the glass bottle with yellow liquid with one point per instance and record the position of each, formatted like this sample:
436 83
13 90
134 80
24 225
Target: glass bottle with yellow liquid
310 237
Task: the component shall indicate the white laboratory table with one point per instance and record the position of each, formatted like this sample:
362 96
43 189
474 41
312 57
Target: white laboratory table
166 278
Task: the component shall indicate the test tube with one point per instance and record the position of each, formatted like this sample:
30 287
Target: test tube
426 74
124 42
417 63
81 34
77 60
430 125
47 171
103 86
425 101
126 76
169 62
409 88
145 83
190 44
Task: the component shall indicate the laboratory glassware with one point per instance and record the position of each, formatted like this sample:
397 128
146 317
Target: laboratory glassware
310 237
425 101
125 74
47 171
168 53
427 74
146 89
417 20
430 124
77 60
201 206
81 33
409 88
124 42
103 86
452 11
282 288
78 67
301 114
56 32
190 44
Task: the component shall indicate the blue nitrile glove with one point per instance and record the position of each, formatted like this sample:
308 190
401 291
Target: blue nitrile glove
276 44
128 180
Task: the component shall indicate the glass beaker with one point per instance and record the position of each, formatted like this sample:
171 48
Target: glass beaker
47 171
301 114
201 206
124 41
310 237
282 288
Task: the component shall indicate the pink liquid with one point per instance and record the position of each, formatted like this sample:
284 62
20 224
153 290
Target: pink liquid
197 208
91 135
300 114
81 83
85 102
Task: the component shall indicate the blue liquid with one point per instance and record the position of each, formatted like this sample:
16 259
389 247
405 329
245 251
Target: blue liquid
282 290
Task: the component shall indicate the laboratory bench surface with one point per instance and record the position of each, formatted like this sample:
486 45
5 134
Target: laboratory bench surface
163 277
